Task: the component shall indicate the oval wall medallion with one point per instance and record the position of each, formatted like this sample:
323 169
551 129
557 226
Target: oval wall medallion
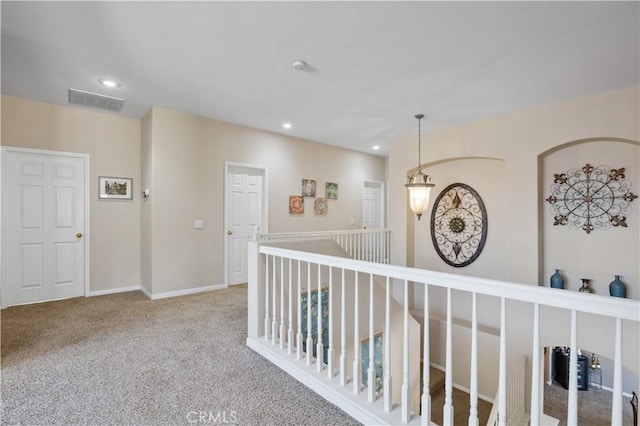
458 225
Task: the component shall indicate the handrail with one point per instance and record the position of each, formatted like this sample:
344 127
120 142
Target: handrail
303 235
273 269
371 245
617 307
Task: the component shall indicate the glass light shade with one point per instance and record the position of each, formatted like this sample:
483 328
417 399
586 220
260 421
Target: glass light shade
419 187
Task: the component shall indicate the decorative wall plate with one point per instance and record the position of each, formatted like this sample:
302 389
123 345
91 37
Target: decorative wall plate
320 206
458 225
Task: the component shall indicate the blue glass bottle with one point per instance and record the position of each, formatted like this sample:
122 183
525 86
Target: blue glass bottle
617 288
557 280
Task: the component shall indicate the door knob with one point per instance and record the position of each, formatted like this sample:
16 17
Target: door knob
229 232
79 235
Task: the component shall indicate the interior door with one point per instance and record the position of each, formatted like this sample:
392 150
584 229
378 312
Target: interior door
372 205
244 217
43 226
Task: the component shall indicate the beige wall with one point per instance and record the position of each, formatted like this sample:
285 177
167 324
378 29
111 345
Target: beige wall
521 141
113 143
188 154
180 159
146 236
598 255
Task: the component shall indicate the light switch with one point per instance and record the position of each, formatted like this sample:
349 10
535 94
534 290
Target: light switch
198 224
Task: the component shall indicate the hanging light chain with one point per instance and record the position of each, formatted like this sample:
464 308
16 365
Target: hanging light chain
419 117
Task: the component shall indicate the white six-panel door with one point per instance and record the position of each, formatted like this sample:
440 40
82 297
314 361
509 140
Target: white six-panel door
43 226
244 217
373 205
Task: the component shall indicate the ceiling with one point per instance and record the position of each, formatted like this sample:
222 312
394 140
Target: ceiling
372 65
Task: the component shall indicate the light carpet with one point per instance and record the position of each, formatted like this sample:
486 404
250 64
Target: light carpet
123 359
594 406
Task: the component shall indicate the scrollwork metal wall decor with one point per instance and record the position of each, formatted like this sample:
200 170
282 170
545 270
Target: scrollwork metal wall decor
459 225
591 198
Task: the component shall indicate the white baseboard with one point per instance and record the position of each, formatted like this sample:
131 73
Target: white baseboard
185 292
146 292
607 388
113 290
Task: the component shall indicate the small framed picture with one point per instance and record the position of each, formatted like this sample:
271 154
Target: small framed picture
331 191
308 188
320 206
115 188
296 204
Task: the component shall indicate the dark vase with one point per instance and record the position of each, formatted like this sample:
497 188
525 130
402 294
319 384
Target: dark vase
617 288
586 282
557 280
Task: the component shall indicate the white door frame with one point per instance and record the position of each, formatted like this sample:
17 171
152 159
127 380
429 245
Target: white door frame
383 203
264 227
87 234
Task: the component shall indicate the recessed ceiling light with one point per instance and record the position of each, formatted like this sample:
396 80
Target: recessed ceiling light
376 147
108 82
286 125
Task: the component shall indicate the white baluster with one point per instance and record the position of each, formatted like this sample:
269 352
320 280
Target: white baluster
320 344
290 332
309 345
426 362
616 406
387 394
502 373
371 372
357 373
404 413
535 368
572 409
330 350
447 414
388 247
274 322
299 309
343 333
267 321
473 385
282 339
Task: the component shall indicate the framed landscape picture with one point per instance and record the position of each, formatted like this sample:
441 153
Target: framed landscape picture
115 188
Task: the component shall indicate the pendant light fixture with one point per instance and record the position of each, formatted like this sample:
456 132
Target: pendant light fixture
419 185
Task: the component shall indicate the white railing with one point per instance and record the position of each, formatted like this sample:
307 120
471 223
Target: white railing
372 245
516 398
278 275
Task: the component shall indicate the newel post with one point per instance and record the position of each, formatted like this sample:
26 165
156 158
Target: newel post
255 291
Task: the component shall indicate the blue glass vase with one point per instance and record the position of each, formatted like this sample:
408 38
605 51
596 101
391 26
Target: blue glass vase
617 288
557 280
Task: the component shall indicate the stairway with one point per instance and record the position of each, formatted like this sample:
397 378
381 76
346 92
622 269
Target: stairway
460 402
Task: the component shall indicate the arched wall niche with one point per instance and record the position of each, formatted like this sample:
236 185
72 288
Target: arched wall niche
487 177
417 229
601 254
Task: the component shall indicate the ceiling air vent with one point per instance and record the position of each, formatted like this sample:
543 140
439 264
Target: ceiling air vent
94 100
